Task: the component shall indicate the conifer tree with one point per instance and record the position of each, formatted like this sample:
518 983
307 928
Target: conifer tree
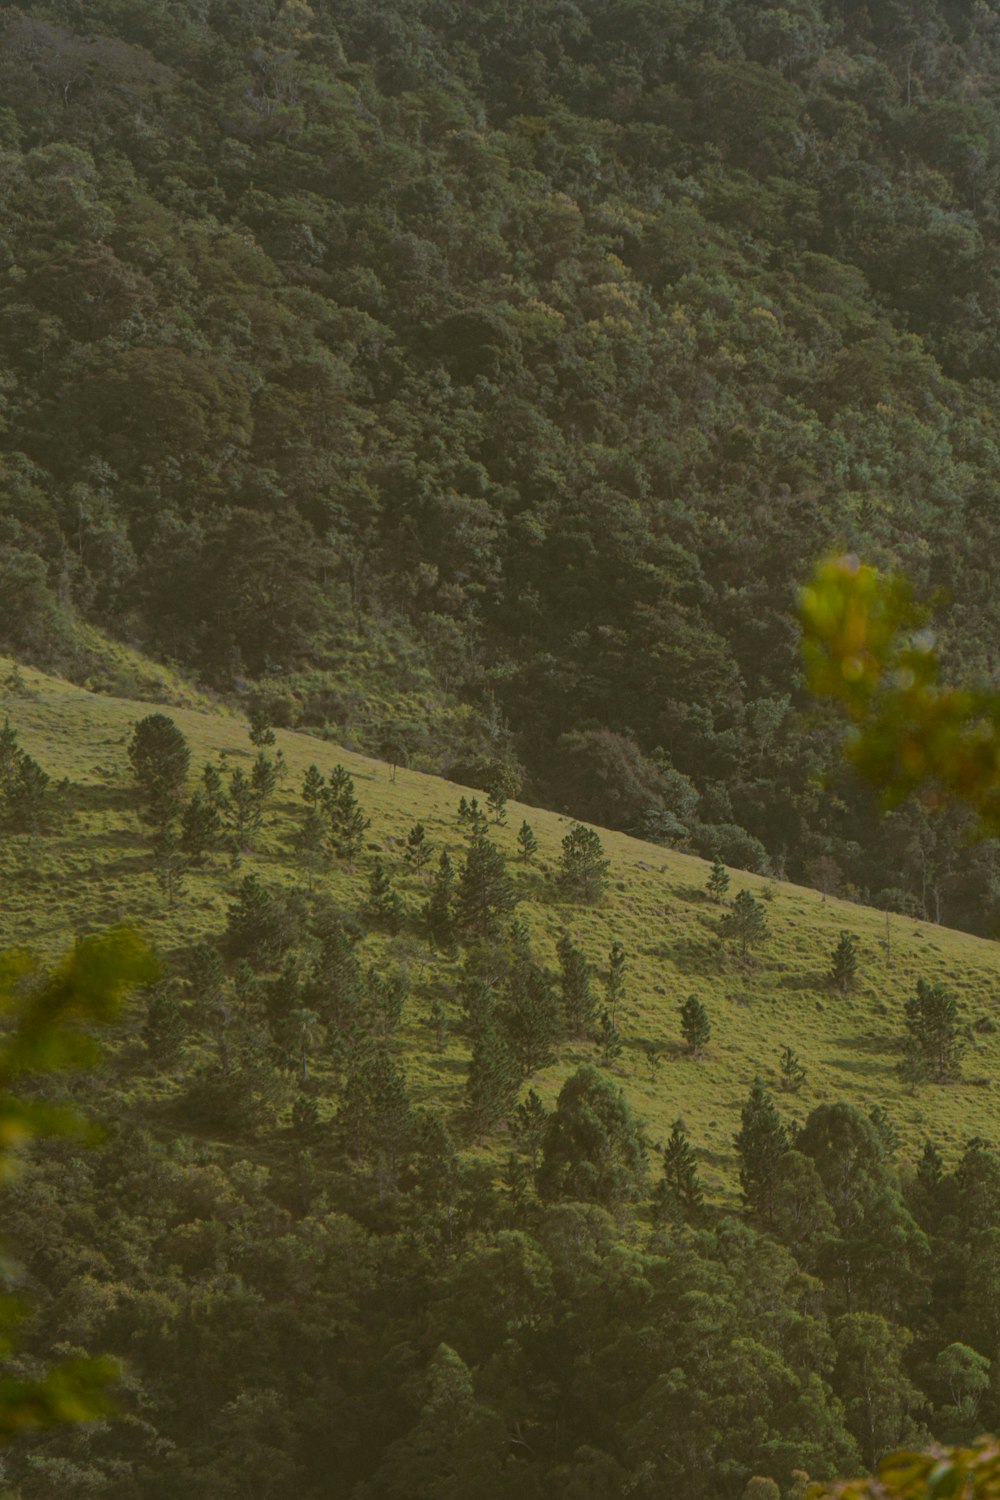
313 784
718 881
212 787
492 1083
164 1029
761 1142
745 923
578 1003
472 818
419 848
242 813
263 779
169 863
261 733
260 926
583 870
437 1020
383 906
26 795
375 1117
527 843
679 1193
935 1036
530 1017
608 1039
844 965
160 757
439 912
793 1074
386 996
201 828
695 1025
496 802
527 1126
486 894
615 991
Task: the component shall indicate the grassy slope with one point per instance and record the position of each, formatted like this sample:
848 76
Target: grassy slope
94 869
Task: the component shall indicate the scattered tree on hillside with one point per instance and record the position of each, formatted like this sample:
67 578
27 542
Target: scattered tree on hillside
578 1002
761 1142
593 1149
745 924
793 1074
844 965
486 894
439 911
419 849
383 906
160 758
527 843
935 1038
679 1194
695 1026
583 869
718 881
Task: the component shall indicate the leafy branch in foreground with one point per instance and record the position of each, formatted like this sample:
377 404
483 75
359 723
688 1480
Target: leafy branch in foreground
971 1473
45 1017
866 647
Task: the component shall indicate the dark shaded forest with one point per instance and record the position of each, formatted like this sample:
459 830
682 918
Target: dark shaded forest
483 380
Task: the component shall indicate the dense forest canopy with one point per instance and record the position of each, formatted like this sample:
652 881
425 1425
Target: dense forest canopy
486 377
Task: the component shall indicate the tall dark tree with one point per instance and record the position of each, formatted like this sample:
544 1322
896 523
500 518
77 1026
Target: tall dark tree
579 1005
593 1149
383 906
583 869
844 964
492 1083
439 912
935 1039
762 1141
745 924
160 758
486 894
696 1028
679 1193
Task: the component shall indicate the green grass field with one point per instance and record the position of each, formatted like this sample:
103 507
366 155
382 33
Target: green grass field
92 868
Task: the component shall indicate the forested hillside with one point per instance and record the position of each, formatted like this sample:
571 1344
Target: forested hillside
481 379
461 1152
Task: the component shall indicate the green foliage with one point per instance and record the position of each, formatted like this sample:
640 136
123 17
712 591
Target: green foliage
793 1074
486 894
261 925
579 1004
718 881
696 1028
593 1151
384 906
160 758
762 1142
46 1019
493 1081
844 965
745 924
583 869
935 1039
679 1193
527 843
439 912
615 988
419 849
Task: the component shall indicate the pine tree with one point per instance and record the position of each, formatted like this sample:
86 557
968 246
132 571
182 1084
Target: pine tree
844 967
492 1083
527 1126
793 1074
935 1040
164 1029
527 843
615 990
212 787
504 783
472 818
313 784
486 894
496 801
345 817
201 829
745 923
679 1194
302 1033
242 812
609 1039
260 926
419 849
718 881
695 1025
375 1117
261 733
761 1142
169 863
160 757
386 996
383 906
583 870
578 1003
27 795
263 779
885 1130
529 1016
439 912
